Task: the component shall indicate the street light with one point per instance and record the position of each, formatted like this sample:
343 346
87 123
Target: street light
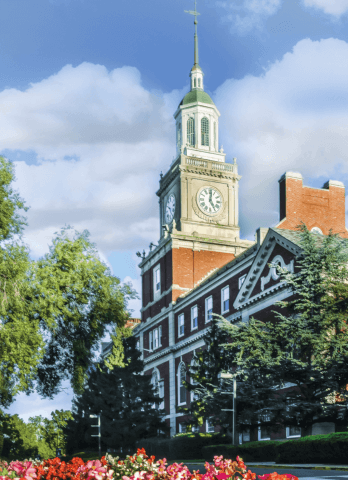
99 434
234 396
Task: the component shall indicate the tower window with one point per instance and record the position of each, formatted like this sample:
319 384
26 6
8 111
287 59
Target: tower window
179 135
199 83
194 83
215 136
205 131
191 131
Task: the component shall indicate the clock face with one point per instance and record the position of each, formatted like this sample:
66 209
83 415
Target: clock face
209 200
170 208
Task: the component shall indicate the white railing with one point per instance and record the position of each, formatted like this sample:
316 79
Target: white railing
222 166
196 163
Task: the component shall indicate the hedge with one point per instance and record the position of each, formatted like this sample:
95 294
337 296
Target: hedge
184 446
265 451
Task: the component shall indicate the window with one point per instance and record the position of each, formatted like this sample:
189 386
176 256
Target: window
178 140
264 431
138 345
205 131
193 395
182 428
225 299
194 317
157 279
150 341
209 426
241 281
156 336
195 428
181 325
208 309
194 83
158 386
181 386
293 432
199 83
161 393
191 131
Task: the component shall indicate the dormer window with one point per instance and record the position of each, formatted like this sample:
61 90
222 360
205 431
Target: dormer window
191 131
205 131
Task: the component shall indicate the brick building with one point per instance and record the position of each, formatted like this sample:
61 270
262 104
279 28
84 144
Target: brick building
200 265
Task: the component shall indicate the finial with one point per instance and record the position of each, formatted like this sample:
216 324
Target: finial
161 175
195 13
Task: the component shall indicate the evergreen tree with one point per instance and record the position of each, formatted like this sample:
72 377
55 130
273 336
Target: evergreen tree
305 346
126 401
203 373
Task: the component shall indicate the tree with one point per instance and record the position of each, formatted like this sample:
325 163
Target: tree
203 380
54 311
20 439
296 363
126 401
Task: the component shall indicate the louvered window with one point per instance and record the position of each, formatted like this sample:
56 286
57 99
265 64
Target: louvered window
191 131
205 131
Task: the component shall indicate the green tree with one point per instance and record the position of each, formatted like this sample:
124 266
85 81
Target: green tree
305 344
203 379
20 440
54 311
124 398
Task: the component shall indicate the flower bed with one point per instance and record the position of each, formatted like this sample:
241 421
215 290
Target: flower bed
134 467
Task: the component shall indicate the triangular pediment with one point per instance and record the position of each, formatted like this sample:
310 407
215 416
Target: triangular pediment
279 247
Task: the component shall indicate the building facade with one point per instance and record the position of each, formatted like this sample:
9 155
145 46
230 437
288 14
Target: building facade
201 265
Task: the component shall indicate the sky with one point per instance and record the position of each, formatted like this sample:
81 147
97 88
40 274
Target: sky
88 89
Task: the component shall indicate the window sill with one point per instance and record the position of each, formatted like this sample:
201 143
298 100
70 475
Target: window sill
194 328
207 321
293 436
180 404
182 335
226 311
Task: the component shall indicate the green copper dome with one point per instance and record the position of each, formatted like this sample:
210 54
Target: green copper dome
196 96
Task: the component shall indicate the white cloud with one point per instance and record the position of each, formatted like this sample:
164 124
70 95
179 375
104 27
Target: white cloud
331 7
101 139
293 117
248 14
134 305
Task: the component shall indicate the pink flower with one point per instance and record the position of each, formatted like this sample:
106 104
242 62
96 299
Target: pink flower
222 476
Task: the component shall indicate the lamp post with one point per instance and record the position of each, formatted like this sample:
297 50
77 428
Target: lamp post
233 410
99 434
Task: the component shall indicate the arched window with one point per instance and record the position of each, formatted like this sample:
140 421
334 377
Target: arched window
158 386
193 370
205 131
155 381
194 83
199 83
215 146
181 386
191 131
178 140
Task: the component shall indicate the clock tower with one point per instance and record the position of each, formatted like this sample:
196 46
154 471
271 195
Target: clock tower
198 200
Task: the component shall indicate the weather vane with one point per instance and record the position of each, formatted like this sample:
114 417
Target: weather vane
193 12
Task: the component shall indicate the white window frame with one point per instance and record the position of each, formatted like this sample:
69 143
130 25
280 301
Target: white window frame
241 281
181 323
195 428
209 428
137 345
291 436
150 341
155 338
223 290
194 318
193 395
157 285
180 369
161 392
207 315
160 336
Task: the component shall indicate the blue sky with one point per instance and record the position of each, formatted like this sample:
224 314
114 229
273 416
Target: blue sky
87 93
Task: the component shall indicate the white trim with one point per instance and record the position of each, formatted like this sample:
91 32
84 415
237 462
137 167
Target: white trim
156 284
207 319
208 425
241 281
227 288
192 317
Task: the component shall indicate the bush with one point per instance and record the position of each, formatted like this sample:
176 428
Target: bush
265 451
330 448
184 446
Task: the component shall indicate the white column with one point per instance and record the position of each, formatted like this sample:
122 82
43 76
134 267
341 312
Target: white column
172 395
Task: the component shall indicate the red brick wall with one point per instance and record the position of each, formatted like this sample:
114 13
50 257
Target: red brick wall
190 266
315 207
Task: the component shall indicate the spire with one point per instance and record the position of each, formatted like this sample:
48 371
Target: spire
195 13
196 71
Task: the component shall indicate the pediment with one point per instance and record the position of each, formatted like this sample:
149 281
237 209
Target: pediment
262 279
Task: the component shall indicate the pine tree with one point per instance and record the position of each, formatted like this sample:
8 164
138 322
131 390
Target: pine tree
126 401
305 345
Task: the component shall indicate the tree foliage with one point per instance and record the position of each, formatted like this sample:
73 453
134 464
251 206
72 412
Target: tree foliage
126 401
295 365
53 311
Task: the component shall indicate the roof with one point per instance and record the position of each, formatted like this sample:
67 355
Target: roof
196 96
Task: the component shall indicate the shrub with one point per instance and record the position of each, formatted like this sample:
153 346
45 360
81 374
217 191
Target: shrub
265 451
